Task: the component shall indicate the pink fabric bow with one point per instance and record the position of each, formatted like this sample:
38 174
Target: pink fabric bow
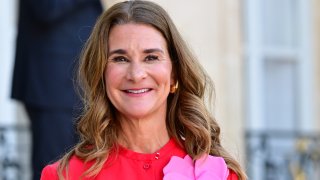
206 168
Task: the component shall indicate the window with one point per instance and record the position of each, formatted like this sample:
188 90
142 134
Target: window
278 71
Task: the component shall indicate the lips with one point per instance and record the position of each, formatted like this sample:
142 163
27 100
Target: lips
137 91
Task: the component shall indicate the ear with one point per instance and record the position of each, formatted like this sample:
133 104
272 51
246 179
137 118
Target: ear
173 83
173 78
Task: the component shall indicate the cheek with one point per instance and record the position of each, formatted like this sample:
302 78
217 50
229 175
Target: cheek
112 78
163 74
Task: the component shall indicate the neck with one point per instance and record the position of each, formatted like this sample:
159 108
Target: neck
143 136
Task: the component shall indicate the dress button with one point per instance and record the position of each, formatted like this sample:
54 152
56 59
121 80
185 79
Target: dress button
157 156
146 166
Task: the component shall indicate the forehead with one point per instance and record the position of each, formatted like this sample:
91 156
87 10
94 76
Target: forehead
135 34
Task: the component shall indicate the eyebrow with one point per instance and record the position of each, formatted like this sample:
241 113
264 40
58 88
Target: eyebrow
117 51
122 51
153 50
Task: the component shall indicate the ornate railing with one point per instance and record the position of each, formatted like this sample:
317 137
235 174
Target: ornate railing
283 155
14 152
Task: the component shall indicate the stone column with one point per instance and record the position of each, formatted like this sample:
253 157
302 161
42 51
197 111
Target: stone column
316 59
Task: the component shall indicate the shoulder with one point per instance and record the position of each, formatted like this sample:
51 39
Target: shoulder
232 175
50 172
76 168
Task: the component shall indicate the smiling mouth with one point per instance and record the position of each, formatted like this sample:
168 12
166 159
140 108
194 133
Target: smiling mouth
138 91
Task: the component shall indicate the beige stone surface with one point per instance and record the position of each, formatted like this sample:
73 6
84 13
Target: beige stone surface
108 3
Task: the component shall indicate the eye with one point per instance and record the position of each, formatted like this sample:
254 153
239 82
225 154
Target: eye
152 58
120 59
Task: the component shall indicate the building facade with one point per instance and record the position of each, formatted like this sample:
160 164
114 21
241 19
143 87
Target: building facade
264 57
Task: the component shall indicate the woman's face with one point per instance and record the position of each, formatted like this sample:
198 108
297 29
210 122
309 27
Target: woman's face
139 71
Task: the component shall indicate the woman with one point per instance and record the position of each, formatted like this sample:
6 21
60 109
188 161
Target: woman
145 105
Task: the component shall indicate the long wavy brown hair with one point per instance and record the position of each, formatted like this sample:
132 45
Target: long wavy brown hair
189 121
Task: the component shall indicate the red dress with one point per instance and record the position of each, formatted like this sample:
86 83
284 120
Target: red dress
127 165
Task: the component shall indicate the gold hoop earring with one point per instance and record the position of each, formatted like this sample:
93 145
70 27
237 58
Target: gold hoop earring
174 88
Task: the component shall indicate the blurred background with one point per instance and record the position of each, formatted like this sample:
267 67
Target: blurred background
264 58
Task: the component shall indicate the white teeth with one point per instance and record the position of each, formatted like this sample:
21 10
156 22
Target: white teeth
138 91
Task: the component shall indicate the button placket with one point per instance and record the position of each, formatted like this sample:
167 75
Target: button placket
146 166
157 156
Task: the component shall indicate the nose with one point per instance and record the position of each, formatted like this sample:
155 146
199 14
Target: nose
136 72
